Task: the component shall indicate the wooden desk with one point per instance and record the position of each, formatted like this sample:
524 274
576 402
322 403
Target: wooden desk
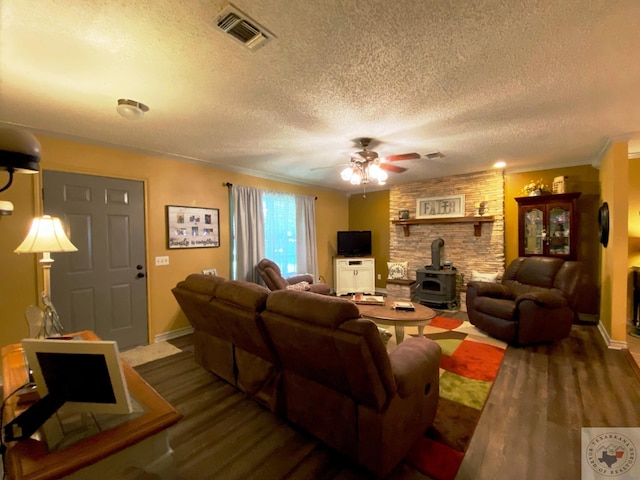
138 445
386 315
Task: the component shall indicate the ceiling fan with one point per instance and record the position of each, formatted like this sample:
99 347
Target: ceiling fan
366 165
365 157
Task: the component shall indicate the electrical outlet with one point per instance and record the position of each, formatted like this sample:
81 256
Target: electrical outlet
162 261
379 277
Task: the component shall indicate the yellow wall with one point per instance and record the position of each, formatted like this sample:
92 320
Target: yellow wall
634 225
167 182
583 179
372 213
634 212
614 175
18 273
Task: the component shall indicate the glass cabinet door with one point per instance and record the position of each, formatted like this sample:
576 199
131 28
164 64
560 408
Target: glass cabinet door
548 225
534 232
559 230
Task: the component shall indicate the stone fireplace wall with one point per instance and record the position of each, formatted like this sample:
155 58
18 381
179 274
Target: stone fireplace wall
467 252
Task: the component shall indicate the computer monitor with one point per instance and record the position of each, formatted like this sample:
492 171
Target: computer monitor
82 375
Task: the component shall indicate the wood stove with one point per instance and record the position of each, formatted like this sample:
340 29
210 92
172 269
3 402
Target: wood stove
435 285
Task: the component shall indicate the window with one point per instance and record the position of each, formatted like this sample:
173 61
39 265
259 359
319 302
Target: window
280 230
273 225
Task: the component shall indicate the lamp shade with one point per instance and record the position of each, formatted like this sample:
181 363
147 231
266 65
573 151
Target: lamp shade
46 235
19 151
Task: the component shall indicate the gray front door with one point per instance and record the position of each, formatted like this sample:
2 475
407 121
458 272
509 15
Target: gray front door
103 286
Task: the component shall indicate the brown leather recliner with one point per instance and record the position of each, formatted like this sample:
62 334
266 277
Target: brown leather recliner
534 303
339 383
273 279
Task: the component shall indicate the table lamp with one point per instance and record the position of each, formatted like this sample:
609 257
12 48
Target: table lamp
45 236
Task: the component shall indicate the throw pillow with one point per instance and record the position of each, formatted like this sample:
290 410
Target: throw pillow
301 286
397 270
483 277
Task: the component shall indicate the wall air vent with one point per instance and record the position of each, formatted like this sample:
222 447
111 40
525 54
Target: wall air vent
242 29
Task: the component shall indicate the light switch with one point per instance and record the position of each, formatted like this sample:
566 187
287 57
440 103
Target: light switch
162 261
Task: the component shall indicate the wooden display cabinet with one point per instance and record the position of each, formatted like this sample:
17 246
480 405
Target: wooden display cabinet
548 225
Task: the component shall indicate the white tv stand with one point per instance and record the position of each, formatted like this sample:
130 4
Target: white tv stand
354 275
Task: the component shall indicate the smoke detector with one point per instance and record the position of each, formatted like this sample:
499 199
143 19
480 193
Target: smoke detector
242 29
130 109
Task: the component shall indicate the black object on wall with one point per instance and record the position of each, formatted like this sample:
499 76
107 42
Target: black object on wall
603 224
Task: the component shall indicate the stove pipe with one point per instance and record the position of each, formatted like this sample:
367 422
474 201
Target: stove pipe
436 246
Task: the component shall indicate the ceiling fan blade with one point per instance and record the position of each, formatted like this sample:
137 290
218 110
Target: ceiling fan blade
404 156
392 168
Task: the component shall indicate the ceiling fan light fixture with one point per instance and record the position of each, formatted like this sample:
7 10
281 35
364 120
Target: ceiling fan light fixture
356 178
130 109
366 166
346 174
374 172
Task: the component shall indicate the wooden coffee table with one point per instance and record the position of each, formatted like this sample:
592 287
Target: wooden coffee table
399 319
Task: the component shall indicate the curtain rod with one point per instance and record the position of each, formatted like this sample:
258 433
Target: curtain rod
229 185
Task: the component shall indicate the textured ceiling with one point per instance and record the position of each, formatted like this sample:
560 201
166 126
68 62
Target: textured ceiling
537 83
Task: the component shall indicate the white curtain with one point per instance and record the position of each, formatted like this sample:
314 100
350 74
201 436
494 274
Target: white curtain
248 228
307 252
248 231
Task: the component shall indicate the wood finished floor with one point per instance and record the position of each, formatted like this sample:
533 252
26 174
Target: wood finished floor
529 429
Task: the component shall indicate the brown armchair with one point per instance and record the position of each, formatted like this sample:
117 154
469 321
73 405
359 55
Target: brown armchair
534 303
273 279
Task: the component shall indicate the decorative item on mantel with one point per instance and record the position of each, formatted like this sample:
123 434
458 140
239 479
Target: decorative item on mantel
481 208
535 188
403 214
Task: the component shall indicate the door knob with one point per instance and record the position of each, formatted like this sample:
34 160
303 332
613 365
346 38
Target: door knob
140 275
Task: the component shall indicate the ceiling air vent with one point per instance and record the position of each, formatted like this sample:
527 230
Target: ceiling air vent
433 155
242 29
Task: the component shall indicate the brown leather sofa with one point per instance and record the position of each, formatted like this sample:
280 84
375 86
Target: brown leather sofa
273 279
228 339
313 360
534 303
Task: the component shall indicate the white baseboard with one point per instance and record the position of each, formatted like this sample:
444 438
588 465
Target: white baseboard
612 344
181 332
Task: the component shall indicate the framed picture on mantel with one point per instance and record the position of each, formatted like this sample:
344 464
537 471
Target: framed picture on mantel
440 207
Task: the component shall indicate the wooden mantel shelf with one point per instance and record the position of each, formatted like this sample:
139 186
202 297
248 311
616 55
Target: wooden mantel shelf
477 222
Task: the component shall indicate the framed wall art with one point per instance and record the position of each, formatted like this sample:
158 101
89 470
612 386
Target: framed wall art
192 227
440 207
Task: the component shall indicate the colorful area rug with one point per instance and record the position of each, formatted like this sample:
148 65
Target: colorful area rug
469 364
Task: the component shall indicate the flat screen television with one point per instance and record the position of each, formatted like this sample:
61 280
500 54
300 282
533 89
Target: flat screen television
354 243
